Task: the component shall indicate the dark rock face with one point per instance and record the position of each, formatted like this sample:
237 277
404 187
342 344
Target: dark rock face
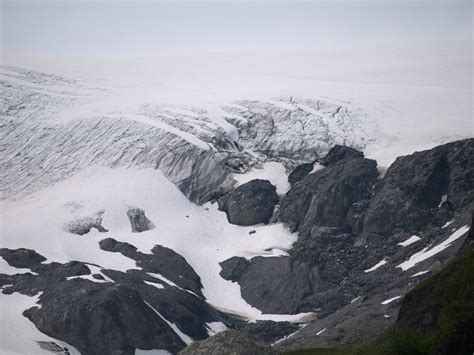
340 152
300 172
138 220
273 285
329 209
162 261
229 342
423 188
110 320
324 198
114 314
84 225
233 268
250 203
21 258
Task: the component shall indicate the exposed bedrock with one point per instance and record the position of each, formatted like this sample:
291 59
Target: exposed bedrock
250 203
163 261
424 188
323 199
113 312
99 319
338 153
300 172
274 285
229 342
336 260
22 258
138 220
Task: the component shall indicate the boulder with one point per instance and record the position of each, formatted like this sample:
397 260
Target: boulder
84 225
250 203
138 220
232 342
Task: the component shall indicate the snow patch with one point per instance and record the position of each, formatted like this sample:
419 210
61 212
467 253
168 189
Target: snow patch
215 327
428 253
164 279
411 240
444 198
376 266
447 223
391 300
321 332
420 273
154 284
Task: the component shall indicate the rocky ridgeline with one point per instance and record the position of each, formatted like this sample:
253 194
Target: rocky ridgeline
348 221
100 311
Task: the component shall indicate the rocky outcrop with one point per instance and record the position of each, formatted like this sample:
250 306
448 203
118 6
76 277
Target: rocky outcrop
138 220
274 285
113 312
423 188
300 172
340 152
233 268
163 261
250 203
324 198
229 342
354 273
102 320
84 225
22 258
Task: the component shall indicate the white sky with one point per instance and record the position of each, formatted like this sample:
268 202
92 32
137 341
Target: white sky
144 28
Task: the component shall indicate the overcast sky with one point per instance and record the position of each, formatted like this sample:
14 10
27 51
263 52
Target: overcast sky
141 28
